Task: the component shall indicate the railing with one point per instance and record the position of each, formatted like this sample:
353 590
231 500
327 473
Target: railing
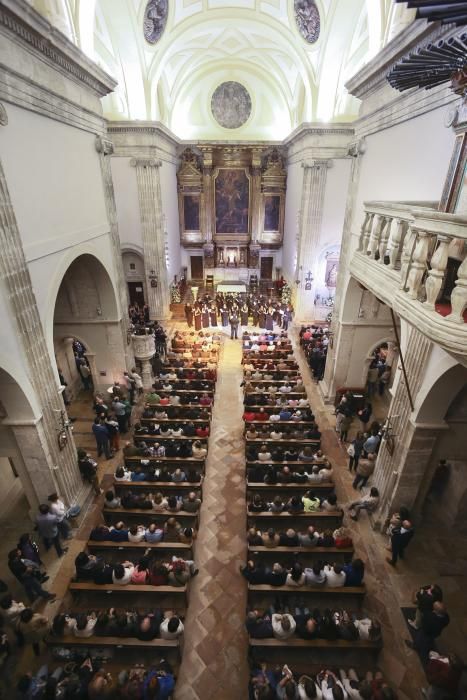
415 241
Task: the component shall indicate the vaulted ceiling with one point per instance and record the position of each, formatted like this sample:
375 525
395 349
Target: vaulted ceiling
207 42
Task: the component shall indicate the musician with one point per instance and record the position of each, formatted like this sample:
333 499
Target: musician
197 318
189 314
224 315
205 316
213 315
244 314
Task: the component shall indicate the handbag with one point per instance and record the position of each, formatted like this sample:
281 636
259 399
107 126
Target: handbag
351 450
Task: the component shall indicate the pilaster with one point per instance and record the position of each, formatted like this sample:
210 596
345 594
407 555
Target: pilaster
105 149
399 471
150 205
313 189
336 352
60 466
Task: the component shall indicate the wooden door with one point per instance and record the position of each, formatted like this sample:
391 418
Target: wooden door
197 268
136 293
266 268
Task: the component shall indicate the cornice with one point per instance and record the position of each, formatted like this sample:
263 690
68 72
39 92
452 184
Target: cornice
314 129
374 73
143 127
19 20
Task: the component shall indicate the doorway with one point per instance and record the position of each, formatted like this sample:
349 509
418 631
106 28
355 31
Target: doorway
136 293
197 267
266 268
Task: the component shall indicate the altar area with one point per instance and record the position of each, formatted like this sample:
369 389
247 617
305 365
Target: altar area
227 287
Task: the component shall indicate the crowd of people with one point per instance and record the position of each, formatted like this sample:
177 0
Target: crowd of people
334 575
238 309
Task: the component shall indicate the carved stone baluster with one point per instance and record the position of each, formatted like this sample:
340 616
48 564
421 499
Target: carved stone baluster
395 241
459 294
418 265
363 229
407 254
375 237
366 231
383 244
435 277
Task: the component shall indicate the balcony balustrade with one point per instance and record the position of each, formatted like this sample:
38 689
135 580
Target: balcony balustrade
407 255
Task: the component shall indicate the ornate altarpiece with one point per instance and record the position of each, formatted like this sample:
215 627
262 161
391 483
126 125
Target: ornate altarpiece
232 202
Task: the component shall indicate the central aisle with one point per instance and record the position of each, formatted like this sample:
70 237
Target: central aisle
214 661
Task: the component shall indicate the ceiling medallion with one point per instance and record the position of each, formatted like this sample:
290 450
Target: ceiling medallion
307 19
231 105
155 19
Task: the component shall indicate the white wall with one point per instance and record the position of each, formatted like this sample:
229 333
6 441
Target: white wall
406 162
54 178
126 200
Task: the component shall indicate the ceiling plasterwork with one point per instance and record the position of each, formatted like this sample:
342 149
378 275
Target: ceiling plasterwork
200 44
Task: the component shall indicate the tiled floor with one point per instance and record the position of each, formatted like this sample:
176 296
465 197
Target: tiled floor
214 661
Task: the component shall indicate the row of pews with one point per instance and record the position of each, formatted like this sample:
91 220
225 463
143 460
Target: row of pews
272 380
154 476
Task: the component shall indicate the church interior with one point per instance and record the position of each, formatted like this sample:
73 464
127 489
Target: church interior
233 367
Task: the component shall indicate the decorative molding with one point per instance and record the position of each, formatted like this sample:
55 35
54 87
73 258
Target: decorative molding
3 115
104 146
145 163
29 28
318 163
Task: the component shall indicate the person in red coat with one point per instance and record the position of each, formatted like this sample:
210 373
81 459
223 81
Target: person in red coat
262 415
443 674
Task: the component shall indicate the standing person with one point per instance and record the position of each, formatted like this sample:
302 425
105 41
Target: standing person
63 383
355 450
189 314
233 325
27 576
225 316
363 471
114 433
205 316
364 414
269 322
33 627
119 408
102 438
88 470
58 508
85 374
244 314
47 525
286 318
138 380
197 318
401 535
213 315
372 379
130 385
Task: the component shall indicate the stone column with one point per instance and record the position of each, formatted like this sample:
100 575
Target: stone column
150 206
256 194
398 476
144 349
311 214
336 353
60 466
105 149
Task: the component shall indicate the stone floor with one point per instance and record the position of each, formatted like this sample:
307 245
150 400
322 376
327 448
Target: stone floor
214 661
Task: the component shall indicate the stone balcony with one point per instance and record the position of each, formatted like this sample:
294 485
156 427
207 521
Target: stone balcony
407 256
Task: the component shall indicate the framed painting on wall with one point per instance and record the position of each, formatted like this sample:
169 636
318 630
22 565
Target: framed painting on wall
191 212
232 201
272 211
332 268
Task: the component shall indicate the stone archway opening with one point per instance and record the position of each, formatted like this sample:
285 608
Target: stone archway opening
86 311
17 421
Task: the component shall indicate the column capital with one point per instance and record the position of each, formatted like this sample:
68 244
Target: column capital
317 163
145 163
104 146
3 115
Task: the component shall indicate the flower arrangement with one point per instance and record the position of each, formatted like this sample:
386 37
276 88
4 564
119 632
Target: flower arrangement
175 295
286 294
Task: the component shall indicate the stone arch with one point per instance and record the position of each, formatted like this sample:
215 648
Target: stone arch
437 398
18 422
389 338
85 307
133 255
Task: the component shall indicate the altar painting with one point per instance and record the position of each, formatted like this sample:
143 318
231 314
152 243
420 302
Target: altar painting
232 198
191 212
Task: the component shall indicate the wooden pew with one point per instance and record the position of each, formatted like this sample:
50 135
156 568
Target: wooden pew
116 514
316 591
324 518
180 592
179 548
340 644
114 642
159 438
328 554
157 486
287 441
278 489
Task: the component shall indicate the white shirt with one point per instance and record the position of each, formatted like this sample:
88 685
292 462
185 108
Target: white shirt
126 477
58 509
278 632
311 579
327 692
363 627
303 696
126 576
164 632
274 417
139 537
332 579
